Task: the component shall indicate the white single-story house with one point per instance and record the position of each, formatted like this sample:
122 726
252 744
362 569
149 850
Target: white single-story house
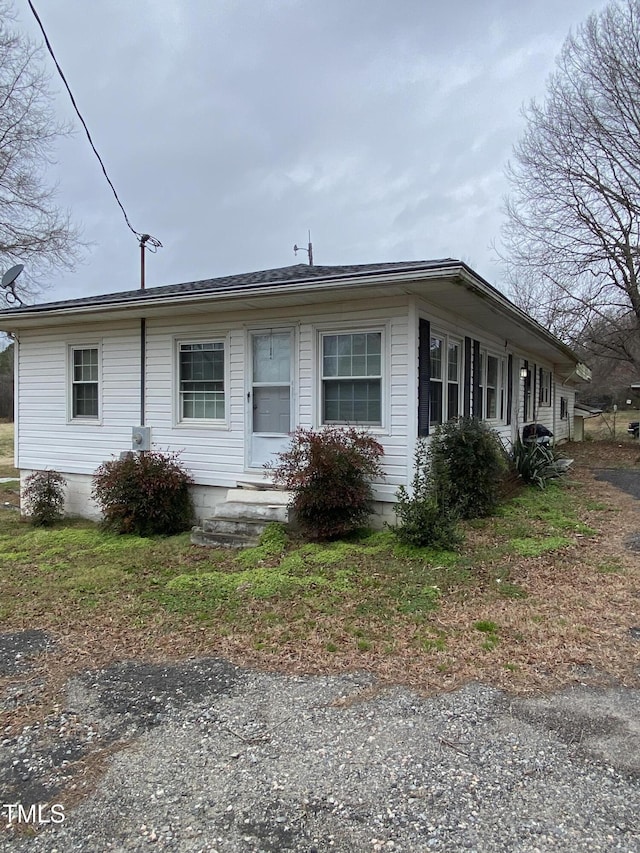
223 369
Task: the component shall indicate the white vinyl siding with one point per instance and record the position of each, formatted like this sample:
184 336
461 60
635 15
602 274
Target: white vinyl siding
215 454
563 404
214 449
47 434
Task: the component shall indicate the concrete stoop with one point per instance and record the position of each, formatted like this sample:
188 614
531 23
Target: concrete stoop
239 521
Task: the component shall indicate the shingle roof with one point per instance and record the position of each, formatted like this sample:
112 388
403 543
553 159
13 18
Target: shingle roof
292 275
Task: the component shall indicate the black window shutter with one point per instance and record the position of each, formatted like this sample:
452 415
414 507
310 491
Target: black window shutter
527 392
509 387
424 375
475 405
467 378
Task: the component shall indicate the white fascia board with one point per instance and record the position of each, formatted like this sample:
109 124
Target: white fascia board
512 310
146 306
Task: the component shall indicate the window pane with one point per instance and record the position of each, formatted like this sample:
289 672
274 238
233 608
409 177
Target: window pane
356 355
359 365
202 404
453 362
344 365
272 357
202 380
492 371
374 343
544 395
85 400
352 401
453 394
201 364
435 403
85 365
436 358
491 403
344 344
359 344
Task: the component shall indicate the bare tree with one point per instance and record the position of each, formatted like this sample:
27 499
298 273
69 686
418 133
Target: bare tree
572 233
33 230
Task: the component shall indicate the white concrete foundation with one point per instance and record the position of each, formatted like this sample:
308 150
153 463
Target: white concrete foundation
79 503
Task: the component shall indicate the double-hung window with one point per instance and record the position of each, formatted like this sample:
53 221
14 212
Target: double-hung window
564 408
201 380
352 378
492 376
85 382
544 387
444 385
494 393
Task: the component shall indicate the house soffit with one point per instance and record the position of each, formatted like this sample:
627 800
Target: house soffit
448 286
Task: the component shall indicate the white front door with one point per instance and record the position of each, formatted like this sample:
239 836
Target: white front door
269 395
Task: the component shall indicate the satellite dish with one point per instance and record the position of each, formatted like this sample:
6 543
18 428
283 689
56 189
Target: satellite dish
7 283
11 275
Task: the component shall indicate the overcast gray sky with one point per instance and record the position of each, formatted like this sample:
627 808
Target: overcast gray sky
230 127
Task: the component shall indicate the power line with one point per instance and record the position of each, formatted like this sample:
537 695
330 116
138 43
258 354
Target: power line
86 129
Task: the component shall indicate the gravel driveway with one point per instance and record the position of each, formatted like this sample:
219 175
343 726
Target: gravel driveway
205 756
208 756
627 479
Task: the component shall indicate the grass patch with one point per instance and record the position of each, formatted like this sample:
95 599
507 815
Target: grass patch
532 546
6 451
610 567
321 604
490 631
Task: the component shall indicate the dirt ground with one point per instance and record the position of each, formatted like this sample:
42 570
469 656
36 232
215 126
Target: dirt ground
68 750
601 646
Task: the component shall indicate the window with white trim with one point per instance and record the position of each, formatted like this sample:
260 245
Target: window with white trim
444 383
85 382
351 378
544 387
493 372
564 408
201 388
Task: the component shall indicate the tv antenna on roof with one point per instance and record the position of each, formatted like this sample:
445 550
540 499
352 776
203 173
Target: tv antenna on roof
308 250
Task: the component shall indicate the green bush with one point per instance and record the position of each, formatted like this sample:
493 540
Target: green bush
144 493
424 515
329 473
468 464
536 464
43 494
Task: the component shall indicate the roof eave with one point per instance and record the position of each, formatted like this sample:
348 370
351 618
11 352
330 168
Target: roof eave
23 318
145 306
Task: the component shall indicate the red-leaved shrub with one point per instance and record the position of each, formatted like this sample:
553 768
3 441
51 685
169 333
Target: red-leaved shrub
329 473
144 493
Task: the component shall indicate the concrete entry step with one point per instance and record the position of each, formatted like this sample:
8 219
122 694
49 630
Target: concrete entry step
239 521
243 526
215 539
251 512
262 496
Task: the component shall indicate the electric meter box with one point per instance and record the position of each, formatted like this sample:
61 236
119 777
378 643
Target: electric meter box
141 438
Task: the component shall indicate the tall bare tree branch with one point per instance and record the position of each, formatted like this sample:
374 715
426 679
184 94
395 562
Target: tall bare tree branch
572 233
33 230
